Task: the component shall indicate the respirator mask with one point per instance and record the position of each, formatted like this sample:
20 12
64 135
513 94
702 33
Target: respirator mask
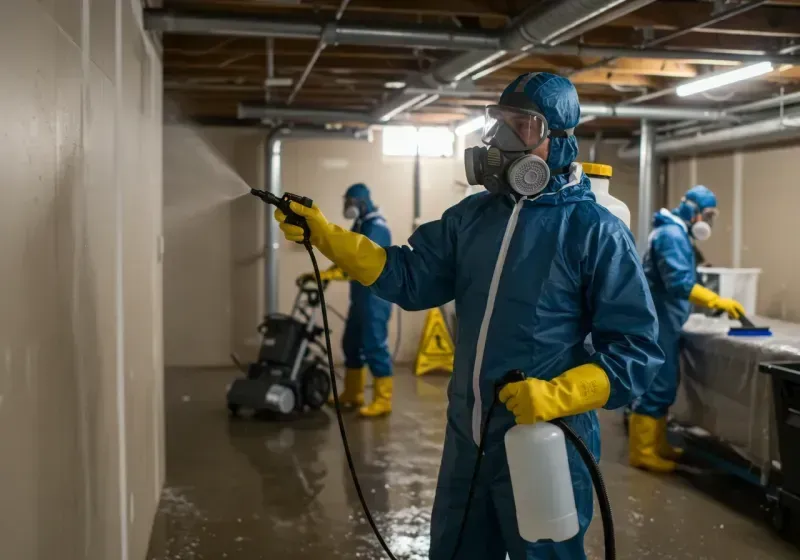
504 164
701 229
351 209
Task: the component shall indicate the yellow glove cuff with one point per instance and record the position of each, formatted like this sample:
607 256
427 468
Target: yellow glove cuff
578 390
702 296
583 388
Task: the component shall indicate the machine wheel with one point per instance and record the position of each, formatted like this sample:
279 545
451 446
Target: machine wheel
316 387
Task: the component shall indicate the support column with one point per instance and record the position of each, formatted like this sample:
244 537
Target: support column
272 178
738 212
647 184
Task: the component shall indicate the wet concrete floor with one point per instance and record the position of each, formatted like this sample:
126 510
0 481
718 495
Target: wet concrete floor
251 490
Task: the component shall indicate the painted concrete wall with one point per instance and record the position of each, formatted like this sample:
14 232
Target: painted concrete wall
81 424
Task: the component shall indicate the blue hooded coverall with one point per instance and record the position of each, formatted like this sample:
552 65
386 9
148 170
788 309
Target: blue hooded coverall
570 268
670 267
366 330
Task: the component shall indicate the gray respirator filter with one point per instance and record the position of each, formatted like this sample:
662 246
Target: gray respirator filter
516 172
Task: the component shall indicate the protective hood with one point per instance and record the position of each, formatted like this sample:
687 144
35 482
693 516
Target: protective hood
699 198
557 100
360 192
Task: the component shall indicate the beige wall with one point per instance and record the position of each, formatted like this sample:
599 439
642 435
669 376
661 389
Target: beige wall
81 428
208 274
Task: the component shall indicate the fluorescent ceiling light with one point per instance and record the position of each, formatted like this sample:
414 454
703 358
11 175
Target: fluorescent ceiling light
470 126
724 79
394 85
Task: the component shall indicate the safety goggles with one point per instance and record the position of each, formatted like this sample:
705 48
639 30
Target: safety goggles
513 130
709 215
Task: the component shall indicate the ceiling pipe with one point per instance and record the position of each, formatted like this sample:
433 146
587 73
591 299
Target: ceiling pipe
615 12
651 112
534 26
767 103
670 54
321 46
719 17
333 33
752 134
261 111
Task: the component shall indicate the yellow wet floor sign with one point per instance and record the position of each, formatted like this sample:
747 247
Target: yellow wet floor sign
436 348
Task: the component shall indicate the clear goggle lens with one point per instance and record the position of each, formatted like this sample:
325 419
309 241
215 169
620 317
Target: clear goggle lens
513 130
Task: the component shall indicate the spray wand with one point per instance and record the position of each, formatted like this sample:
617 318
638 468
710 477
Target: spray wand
284 204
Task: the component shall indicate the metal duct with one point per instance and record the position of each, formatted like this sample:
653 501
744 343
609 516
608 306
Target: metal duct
746 135
261 111
332 33
538 26
671 54
651 112
534 25
272 180
768 103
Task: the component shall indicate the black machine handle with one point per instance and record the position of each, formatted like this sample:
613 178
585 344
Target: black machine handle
284 205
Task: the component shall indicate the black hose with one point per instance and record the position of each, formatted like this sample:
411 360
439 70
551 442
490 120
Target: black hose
339 419
606 516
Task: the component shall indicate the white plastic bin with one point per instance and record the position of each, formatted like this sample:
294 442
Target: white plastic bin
740 284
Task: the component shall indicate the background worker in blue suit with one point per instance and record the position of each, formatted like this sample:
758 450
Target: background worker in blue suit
534 266
366 329
669 265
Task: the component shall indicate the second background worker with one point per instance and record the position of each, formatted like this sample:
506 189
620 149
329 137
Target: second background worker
366 331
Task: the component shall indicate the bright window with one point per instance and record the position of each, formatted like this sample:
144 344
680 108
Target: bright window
432 141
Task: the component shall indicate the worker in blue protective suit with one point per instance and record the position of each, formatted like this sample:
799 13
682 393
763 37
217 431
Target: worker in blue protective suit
534 266
669 265
366 329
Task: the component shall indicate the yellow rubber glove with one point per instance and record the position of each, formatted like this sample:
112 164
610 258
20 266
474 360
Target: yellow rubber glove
580 389
703 296
359 258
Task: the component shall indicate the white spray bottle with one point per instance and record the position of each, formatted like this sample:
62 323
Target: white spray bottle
540 479
600 178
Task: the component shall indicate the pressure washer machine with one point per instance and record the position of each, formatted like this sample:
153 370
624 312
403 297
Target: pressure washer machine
291 372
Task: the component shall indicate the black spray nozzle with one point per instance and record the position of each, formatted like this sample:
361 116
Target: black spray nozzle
267 197
284 204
